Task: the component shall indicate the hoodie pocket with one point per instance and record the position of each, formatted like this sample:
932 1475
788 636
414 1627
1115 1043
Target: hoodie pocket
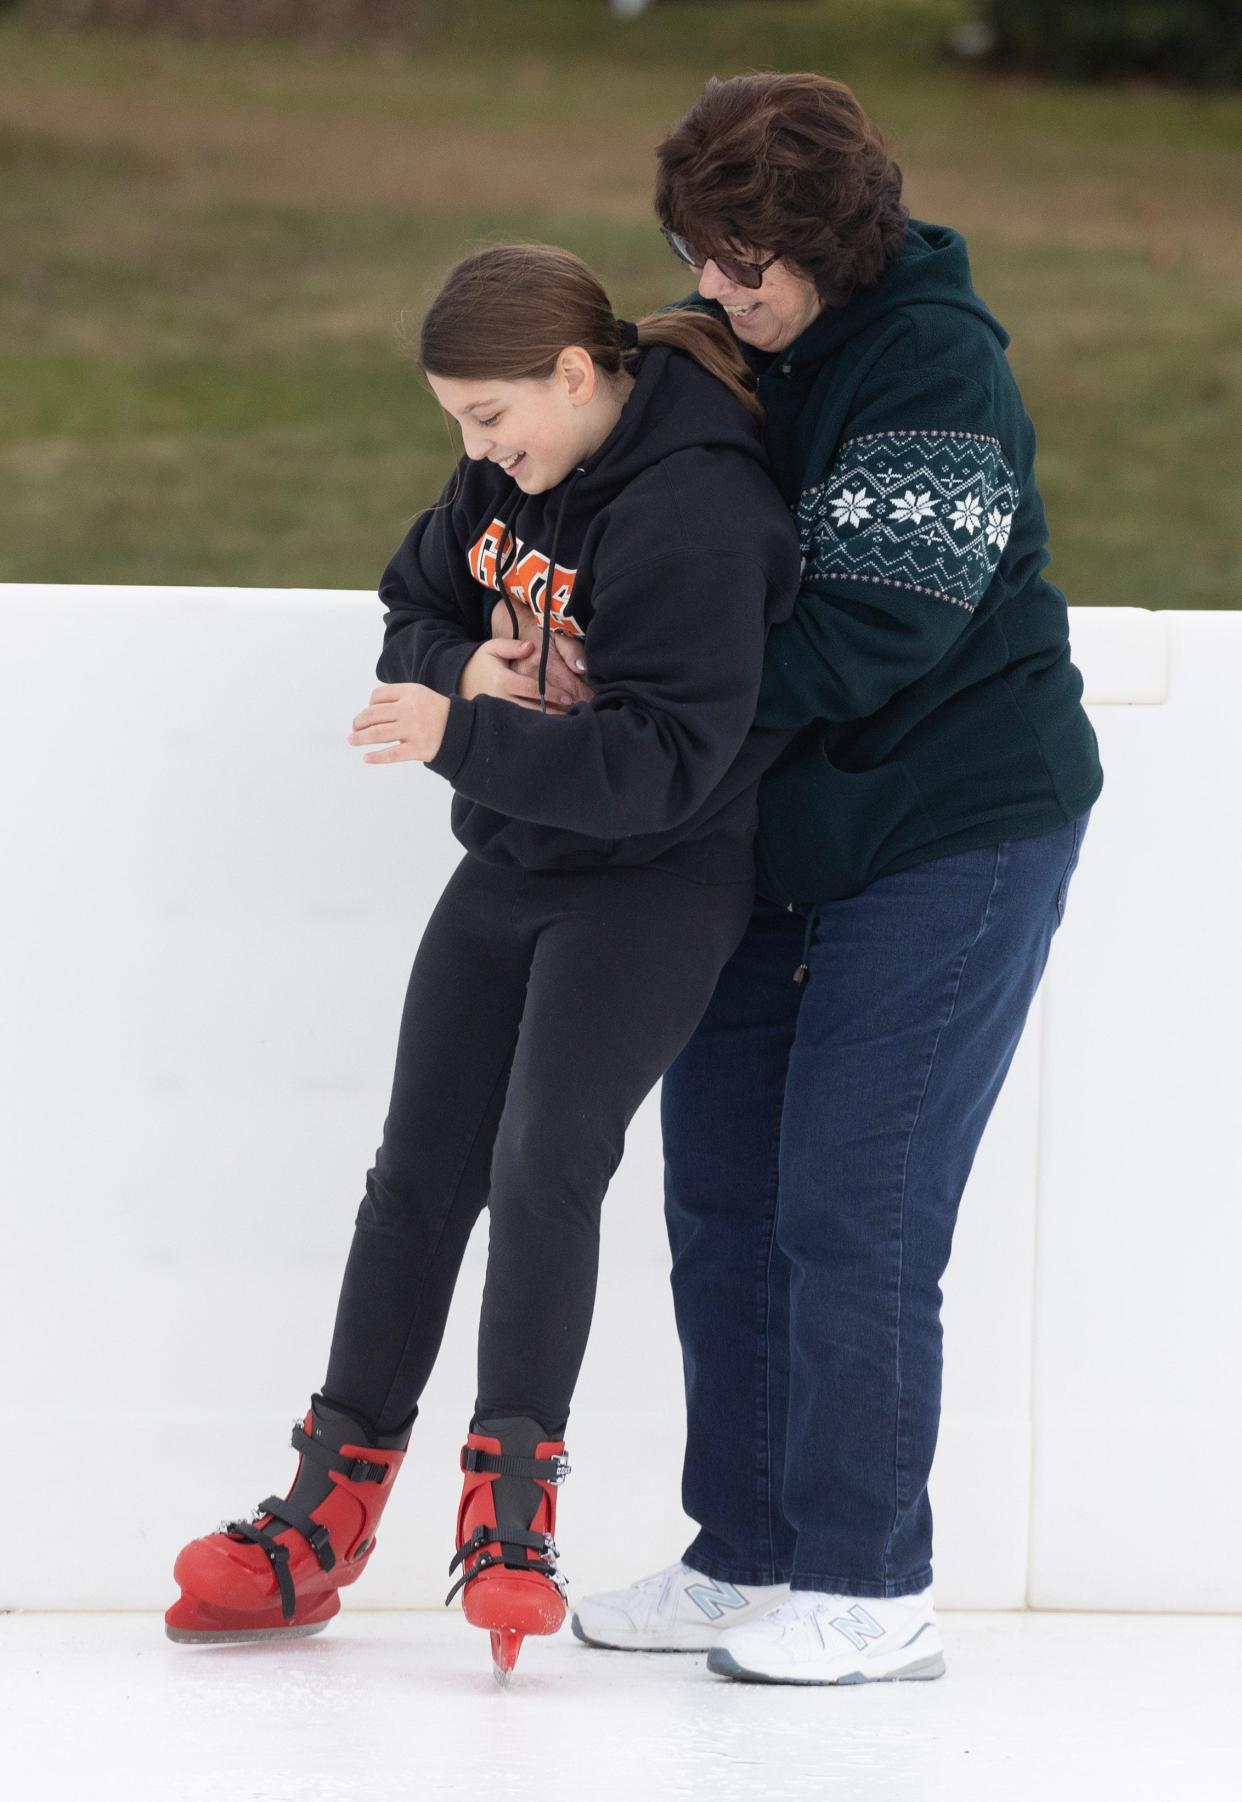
825 832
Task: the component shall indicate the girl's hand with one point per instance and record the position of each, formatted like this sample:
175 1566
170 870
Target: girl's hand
509 669
565 677
409 713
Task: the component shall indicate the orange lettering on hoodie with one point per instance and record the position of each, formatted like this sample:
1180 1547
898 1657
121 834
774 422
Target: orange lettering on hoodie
526 576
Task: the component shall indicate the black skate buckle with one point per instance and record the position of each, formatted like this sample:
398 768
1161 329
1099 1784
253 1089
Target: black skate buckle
363 1471
552 1470
319 1540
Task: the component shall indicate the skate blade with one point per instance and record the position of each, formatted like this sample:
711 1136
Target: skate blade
239 1636
506 1644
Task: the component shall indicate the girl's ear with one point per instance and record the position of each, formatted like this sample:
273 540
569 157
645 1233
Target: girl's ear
577 370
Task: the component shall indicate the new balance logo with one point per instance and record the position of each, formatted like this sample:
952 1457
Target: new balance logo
715 1599
858 1627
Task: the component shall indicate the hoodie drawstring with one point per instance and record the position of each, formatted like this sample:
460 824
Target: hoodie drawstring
506 527
803 970
550 589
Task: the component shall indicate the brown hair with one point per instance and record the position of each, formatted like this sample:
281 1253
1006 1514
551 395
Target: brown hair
787 164
506 313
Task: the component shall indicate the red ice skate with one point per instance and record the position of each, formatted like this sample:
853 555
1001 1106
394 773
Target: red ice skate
280 1576
508 1500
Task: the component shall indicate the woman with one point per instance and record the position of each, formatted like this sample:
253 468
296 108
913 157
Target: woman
915 849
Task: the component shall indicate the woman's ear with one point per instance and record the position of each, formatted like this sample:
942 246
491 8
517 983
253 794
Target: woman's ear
577 370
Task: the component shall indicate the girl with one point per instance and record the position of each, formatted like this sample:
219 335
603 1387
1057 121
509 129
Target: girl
613 491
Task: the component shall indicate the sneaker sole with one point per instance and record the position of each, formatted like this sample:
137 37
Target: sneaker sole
724 1664
634 1645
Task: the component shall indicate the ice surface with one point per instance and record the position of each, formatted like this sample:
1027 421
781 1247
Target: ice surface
386 1705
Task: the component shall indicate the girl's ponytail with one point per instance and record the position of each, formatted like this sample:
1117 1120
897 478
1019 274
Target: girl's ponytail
507 312
710 343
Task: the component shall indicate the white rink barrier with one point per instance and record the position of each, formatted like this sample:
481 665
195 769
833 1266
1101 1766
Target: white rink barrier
210 905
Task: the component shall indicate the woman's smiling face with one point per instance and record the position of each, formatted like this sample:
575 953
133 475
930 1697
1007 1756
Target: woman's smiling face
770 316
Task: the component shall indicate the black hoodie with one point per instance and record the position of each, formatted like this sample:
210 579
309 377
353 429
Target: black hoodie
673 554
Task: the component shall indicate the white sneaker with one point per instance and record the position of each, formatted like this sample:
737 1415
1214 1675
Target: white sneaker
818 1638
676 1610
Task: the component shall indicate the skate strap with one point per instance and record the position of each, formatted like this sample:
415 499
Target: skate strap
537 1542
358 1470
485 1535
486 1563
278 1555
313 1531
506 1464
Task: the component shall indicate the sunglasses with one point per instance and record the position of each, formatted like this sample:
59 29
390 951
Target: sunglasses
735 269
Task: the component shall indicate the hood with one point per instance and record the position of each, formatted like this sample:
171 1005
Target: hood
932 270
675 404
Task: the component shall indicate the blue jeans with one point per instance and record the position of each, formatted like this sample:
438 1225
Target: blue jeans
817 1139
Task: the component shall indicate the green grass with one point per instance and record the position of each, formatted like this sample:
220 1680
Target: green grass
205 251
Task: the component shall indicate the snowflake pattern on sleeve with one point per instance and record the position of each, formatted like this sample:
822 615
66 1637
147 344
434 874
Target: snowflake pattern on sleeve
923 510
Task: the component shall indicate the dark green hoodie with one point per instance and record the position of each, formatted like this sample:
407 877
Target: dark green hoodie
927 658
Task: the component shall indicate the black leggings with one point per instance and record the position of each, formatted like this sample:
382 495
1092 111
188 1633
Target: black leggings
541 1009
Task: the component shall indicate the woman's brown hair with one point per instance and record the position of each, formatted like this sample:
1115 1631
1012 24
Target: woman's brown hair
506 313
789 165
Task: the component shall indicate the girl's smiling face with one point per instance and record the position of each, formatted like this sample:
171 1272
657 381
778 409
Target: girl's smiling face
536 431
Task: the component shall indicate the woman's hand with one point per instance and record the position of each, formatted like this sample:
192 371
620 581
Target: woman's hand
530 630
508 667
409 713
573 669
